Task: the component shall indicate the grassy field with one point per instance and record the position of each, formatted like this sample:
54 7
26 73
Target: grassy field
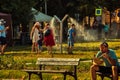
15 58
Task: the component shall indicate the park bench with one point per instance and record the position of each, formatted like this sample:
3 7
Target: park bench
46 62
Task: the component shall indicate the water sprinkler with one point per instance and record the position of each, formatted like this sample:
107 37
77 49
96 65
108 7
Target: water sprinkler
61 28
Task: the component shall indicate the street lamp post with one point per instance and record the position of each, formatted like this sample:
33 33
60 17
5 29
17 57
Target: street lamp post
45 6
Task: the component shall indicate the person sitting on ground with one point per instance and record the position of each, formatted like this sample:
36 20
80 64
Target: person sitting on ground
107 56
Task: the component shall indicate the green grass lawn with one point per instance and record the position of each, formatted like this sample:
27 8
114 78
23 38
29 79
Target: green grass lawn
17 56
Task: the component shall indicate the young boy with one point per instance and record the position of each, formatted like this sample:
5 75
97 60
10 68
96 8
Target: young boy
40 42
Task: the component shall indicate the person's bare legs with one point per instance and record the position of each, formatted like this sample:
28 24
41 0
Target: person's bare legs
70 48
39 49
36 47
0 49
114 73
33 47
93 70
3 48
50 49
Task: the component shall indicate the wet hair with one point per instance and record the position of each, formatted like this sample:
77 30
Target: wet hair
73 24
37 24
104 44
47 24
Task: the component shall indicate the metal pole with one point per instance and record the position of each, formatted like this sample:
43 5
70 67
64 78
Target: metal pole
45 7
61 30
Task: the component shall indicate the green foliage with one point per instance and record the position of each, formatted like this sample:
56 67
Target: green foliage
20 57
19 9
6 62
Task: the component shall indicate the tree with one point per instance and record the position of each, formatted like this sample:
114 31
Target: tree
19 9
